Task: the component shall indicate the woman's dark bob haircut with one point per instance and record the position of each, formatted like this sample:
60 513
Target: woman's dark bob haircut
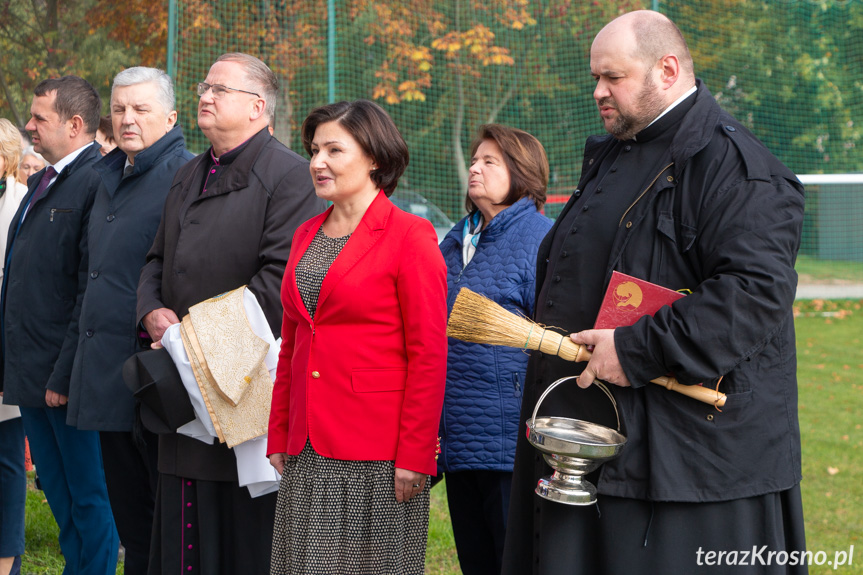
525 159
374 131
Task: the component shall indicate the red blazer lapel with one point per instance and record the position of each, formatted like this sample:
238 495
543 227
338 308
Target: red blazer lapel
304 236
368 232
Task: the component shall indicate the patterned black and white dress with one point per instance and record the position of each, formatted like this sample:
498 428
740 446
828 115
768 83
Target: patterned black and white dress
341 517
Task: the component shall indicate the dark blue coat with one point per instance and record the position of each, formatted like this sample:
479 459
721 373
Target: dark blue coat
480 421
123 223
46 267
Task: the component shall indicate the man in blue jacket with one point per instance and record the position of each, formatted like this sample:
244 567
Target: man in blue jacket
43 284
136 178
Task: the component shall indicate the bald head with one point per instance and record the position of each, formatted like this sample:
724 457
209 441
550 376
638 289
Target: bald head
641 66
651 36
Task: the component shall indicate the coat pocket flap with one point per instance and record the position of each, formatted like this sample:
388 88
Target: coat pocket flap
667 226
365 380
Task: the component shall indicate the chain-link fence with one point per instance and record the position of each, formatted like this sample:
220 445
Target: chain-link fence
791 70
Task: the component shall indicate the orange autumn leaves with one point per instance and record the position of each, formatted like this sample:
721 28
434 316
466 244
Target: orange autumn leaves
414 34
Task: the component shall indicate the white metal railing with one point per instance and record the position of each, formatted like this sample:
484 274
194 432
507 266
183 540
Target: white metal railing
831 178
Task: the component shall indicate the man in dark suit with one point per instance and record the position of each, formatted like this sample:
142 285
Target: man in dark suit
228 221
46 266
136 177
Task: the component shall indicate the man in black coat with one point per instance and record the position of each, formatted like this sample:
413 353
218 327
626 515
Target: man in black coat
228 221
136 177
682 195
43 285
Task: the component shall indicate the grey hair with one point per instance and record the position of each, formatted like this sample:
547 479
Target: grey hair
258 74
29 151
142 74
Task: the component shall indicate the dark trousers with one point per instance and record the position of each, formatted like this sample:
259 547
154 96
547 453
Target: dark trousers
70 467
478 507
13 487
130 470
211 528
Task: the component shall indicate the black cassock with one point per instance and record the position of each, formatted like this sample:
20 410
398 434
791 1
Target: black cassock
618 536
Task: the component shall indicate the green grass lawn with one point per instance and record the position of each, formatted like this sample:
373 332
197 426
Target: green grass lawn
830 379
813 270
441 558
42 554
830 375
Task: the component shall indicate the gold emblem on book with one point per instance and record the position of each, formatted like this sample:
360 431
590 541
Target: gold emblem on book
628 294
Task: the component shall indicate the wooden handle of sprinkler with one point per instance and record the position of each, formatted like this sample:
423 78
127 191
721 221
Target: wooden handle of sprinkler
571 351
702 394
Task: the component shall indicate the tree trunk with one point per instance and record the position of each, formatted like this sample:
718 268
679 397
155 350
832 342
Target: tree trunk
492 116
284 112
281 125
457 125
51 25
12 106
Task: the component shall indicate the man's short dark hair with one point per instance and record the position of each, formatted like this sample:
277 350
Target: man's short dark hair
107 128
75 97
374 131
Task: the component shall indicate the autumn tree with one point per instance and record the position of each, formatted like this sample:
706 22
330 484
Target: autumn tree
139 26
461 63
293 45
48 38
791 71
285 34
798 90
416 32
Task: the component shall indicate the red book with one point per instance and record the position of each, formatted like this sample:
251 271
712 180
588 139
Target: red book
628 298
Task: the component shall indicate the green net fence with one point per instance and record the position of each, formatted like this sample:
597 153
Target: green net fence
791 70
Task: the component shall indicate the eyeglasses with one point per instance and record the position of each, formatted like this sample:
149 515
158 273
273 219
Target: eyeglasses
219 91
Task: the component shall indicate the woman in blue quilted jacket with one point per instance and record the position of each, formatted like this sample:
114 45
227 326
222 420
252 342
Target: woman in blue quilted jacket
492 251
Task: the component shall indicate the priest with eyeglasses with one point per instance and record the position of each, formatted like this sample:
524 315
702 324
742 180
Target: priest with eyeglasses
228 221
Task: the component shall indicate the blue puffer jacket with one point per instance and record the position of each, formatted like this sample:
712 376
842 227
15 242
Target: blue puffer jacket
480 420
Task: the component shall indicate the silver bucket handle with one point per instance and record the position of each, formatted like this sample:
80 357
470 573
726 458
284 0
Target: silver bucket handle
597 383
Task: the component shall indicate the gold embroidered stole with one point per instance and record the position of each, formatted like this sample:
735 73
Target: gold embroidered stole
227 358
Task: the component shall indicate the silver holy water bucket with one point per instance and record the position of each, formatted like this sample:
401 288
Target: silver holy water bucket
573 448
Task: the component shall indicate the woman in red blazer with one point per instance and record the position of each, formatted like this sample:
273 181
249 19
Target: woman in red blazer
360 383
